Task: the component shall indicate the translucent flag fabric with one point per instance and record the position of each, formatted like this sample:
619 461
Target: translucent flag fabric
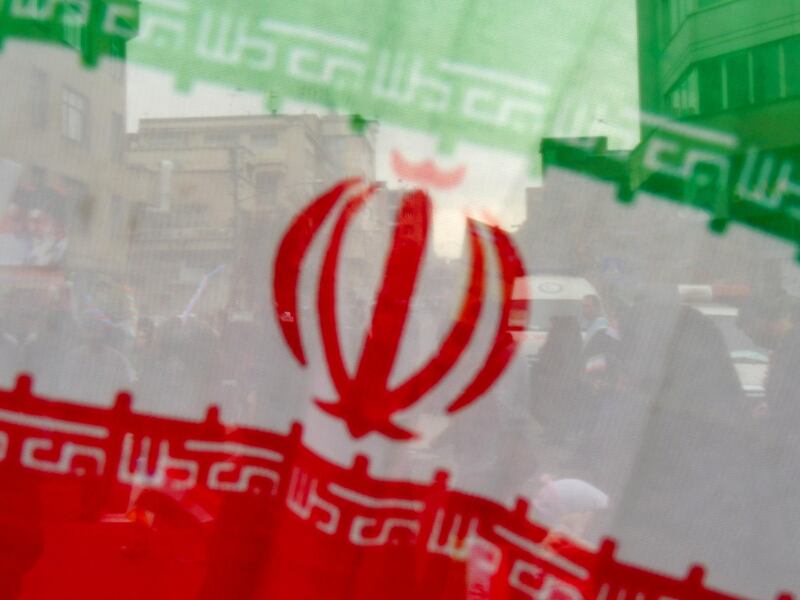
441 300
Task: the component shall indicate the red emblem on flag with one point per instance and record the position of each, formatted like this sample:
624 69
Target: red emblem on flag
365 402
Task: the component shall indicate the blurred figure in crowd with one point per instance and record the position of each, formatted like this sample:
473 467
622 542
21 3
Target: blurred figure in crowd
694 452
771 321
604 408
601 337
48 242
143 344
165 382
593 319
17 330
202 354
52 344
766 319
568 507
179 370
557 379
25 311
251 379
94 370
15 241
782 385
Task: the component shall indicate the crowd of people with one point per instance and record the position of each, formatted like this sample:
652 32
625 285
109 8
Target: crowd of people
647 407
639 409
176 366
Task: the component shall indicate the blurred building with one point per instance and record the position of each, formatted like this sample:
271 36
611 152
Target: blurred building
574 222
227 186
732 66
66 191
718 79
720 99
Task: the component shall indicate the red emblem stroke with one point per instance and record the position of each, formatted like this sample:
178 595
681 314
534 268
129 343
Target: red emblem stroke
365 402
426 172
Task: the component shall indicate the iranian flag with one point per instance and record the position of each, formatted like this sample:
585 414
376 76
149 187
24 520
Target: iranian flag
431 300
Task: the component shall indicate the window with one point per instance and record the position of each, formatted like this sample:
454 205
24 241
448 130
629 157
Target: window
221 138
791 54
118 216
709 75
165 183
692 94
164 139
684 98
117 137
79 202
738 79
767 73
754 76
39 93
267 187
75 117
265 140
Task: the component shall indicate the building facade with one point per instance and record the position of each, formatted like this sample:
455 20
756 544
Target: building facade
731 65
720 100
226 187
67 188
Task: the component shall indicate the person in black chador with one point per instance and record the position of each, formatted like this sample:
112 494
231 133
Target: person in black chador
557 379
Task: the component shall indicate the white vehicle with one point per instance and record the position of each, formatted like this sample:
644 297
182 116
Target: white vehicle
548 296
